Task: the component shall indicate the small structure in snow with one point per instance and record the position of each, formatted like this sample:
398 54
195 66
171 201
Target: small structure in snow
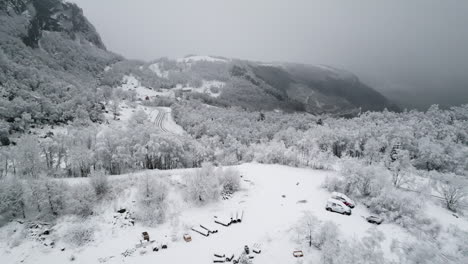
298 254
146 236
246 249
202 232
187 238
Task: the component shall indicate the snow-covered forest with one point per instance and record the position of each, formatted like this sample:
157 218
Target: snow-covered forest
390 162
197 159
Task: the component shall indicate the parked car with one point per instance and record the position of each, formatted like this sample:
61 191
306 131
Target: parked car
334 205
345 199
373 219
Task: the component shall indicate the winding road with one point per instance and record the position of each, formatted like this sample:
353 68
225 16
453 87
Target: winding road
160 119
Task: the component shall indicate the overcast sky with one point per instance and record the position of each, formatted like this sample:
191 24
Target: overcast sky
397 44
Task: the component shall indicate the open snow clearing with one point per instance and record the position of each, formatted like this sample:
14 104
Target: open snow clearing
262 216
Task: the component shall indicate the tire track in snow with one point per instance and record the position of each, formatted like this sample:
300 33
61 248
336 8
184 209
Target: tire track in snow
159 120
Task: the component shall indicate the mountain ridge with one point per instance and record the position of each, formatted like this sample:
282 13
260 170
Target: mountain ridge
56 69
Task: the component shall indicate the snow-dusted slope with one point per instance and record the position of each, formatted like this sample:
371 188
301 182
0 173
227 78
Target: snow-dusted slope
270 202
196 58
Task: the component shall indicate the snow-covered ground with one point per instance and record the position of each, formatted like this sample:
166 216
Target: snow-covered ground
269 200
130 83
196 58
212 88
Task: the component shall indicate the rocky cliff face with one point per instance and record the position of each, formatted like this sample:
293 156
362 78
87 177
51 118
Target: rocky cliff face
54 16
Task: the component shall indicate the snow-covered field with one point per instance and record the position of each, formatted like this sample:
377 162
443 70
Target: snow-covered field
130 83
272 199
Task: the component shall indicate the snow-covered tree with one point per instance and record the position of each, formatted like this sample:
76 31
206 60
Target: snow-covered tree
453 188
100 183
203 185
400 167
152 204
27 157
12 199
307 229
229 178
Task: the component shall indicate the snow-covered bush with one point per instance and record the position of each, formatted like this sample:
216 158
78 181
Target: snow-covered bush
453 188
362 180
395 205
56 197
326 233
151 199
313 232
325 236
306 229
82 200
100 183
230 179
356 251
203 185
79 234
420 251
333 184
12 200
244 259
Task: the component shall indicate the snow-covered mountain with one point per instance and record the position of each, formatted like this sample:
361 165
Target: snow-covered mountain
253 85
55 69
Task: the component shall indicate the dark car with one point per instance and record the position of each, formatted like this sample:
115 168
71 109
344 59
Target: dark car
374 219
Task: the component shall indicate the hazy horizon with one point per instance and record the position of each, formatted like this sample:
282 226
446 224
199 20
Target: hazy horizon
409 47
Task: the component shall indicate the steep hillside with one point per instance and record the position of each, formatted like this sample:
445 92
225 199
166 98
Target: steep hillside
55 69
50 61
255 86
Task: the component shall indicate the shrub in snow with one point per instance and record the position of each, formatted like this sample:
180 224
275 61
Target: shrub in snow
79 234
395 204
83 199
12 200
459 238
139 117
54 198
419 251
307 229
364 180
327 232
364 251
230 179
419 223
46 198
453 188
100 183
333 184
203 185
152 204
244 259
311 231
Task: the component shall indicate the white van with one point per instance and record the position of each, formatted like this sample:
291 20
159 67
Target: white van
337 206
345 199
